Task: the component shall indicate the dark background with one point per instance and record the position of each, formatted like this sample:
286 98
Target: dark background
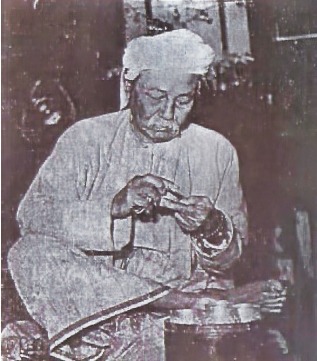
78 43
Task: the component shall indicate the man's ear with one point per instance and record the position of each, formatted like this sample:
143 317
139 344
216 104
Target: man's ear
128 86
126 89
198 89
125 93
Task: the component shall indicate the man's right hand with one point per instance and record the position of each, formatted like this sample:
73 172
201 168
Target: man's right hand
141 195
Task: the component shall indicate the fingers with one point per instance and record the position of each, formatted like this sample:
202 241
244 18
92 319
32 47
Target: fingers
146 200
190 212
170 186
200 202
173 205
269 299
188 224
181 221
272 302
141 195
191 207
270 310
274 285
274 307
151 195
147 196
259 292
163 185
192 219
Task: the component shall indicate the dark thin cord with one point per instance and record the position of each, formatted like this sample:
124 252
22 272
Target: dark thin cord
148 10
223 25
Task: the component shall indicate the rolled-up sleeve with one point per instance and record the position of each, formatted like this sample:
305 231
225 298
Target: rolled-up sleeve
230 197
230 200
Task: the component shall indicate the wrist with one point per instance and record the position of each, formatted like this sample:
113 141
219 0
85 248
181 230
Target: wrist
214 235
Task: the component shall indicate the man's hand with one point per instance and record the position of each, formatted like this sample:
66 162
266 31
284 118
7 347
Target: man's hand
269 295
141 195
190 212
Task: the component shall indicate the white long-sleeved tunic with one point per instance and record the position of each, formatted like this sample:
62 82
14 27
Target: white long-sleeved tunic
69 203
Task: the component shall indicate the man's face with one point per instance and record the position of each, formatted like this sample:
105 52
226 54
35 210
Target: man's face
161 101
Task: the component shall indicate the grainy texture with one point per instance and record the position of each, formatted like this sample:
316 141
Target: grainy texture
65 58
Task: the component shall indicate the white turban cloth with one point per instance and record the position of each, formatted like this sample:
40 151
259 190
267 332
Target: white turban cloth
180 50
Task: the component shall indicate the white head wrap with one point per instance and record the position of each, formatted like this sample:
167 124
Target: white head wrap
181 50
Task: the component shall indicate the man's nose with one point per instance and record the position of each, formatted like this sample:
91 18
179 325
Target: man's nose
168 109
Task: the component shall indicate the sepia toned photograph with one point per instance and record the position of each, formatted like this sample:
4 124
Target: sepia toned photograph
159 180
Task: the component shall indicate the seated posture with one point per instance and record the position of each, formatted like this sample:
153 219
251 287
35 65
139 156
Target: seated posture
107 225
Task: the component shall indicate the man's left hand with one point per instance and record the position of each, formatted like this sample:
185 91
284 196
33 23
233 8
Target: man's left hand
190 212
270 295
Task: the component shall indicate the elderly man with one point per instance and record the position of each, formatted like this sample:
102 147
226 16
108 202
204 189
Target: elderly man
106 224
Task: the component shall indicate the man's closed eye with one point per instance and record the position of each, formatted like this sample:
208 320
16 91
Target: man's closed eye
184 99
156 94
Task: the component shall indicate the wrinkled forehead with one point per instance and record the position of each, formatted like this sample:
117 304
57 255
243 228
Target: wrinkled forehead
169 80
